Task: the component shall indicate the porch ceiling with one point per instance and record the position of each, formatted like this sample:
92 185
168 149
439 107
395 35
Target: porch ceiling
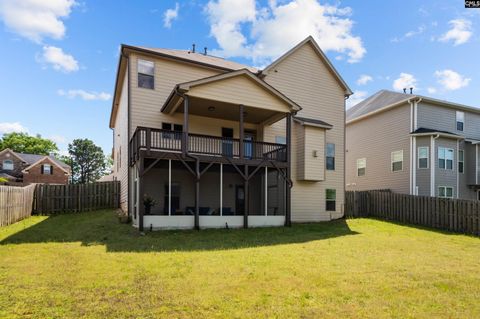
228 111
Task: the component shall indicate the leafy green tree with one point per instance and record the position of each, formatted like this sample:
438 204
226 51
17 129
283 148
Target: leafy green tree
87 161
24 143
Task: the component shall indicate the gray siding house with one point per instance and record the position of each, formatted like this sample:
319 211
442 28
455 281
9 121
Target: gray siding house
413 144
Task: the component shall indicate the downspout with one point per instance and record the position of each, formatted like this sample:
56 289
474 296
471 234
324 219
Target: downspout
432 165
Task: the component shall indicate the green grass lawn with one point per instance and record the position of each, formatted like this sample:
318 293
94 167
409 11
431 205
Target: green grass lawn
90 266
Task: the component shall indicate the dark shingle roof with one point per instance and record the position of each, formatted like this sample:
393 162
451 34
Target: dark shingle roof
32 158
312 121
375 102
430 130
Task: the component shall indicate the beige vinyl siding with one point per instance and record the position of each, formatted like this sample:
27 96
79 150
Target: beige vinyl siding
239 90
305 79
120 142
146 103
310 166
375 138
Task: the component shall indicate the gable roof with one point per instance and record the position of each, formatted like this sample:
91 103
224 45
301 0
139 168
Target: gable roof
311 40
32 158
184 87
51 160
385 99
13 153
375 102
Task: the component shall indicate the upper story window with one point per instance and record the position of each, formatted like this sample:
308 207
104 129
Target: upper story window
423 157
361 166
460 121
7 165
397 161
445 158
461 161
47 169
330 156
146 74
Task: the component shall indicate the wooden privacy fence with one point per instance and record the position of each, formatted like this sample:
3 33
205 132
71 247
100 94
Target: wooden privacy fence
15 203
455 215
56 199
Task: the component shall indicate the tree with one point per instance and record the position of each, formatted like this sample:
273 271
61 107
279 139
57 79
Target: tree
24 143
87 161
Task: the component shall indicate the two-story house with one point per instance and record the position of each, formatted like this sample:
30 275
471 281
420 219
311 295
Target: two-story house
215 143
415 145
32 168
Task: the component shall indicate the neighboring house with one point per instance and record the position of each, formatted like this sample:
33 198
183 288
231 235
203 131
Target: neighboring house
217 143
32 168
413 144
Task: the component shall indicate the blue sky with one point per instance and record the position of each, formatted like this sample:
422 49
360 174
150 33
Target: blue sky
59 58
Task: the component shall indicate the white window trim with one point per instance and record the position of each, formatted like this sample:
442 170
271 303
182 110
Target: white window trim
457 120
459 161
428 157
445 187
152 75
445 158
12 165
49 169
391 161
365 160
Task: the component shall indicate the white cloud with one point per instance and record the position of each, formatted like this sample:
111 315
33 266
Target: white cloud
431 90
16 127
36 19
460 32
263 33
60 60
405 80
410 34
364 79
451 80
87 96
356 98
170 15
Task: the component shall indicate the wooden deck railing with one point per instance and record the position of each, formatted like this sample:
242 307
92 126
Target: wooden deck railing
166 140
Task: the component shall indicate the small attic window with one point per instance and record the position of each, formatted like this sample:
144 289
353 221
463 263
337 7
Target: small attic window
47 169
7 165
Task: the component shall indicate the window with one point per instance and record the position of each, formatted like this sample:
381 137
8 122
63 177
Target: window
460 121
445 158
331 199
280 140
423 157
146 71
7 165
397 161
461 161
330 156
176 128
175 197
445 192
47 169
361 166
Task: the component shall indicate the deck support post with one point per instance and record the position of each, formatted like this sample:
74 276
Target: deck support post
141 206
197 194
221 189
288 193
185 126
241 131
245 198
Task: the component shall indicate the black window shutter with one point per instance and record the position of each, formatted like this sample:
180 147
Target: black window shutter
51 169
42 169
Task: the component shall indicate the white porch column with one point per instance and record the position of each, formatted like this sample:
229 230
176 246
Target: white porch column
221 189
169 187
266 190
